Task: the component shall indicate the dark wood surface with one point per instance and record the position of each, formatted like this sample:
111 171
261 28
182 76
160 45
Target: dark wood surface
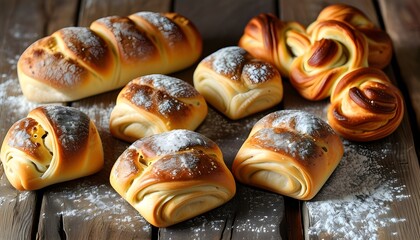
374 192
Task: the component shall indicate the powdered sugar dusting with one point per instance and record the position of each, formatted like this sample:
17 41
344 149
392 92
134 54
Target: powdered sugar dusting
228 61
168 28
175 87
258 72
356 201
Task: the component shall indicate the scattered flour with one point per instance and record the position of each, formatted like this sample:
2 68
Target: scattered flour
355 203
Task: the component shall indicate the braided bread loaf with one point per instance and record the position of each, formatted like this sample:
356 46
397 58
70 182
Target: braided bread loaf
289 152
365 105
379 42
154 104
52 144
237 84
173 176
78 62
275 41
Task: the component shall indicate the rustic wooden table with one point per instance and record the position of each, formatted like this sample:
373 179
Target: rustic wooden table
374 193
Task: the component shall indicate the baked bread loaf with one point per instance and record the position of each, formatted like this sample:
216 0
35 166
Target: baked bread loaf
173 176
289 152
52 144
278 42
379 42
77 62
336 48
365 106
154 104
237 84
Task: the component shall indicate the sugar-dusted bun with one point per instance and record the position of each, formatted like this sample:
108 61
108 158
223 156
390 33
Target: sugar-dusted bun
52 144
289 152
173 176
379 42
365 105
237 84
154 104
336 48
278 42
77 62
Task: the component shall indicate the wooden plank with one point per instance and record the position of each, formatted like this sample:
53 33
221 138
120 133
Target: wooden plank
374 192
401 22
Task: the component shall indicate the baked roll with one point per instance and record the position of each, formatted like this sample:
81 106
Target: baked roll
77 62
173 176
52 144
289 152
154 104
336 48
237 84
278 42
379 42
365 106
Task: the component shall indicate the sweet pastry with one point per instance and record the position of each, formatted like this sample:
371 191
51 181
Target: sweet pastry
154 104
77 62
336 48
278 42
289 152
52 144
365 105
237 84
379 42
173 176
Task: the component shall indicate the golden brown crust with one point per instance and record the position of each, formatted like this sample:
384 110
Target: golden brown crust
236 83
365 106
77 62
173 176
289 152
154 104
275 41
51 145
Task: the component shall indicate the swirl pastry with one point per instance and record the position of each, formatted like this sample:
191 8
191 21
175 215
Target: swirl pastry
278 42
379 42
365 105
154 104
173 176
77 62
237 84
336 49
289 152
52 144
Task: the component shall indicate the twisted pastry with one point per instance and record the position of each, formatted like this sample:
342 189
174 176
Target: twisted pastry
77 62
52 144
173 176
365 105
289 152
336 49
154 104
379 42
236 83
275 41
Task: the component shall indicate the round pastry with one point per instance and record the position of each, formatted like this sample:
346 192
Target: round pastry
52 144
365 105
154 104
173 176
289 152
336 49
77 62
379 42
237 84
278 42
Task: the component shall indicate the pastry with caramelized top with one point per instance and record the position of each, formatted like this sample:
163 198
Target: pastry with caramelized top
237 84
154 104
173 176
52 144
289 152
365 106
77 62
